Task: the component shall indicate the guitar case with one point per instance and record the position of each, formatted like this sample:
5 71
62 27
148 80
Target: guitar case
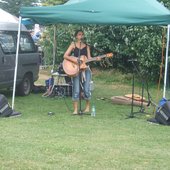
5 109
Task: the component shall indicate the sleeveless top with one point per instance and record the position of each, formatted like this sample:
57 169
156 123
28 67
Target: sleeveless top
82 51
78 52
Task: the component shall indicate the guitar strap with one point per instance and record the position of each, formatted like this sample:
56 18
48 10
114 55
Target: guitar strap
84 75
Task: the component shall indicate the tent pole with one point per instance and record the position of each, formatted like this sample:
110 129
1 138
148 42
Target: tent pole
54 47
166 61
16 62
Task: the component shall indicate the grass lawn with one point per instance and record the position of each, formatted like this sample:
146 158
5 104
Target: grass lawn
36 140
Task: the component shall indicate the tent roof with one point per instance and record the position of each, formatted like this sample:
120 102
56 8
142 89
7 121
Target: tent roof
117 12
7 17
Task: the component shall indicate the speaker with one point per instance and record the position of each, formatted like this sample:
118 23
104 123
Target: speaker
5 109
162 115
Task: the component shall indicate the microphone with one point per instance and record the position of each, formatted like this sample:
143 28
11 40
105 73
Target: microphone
132 60
97 49
95 45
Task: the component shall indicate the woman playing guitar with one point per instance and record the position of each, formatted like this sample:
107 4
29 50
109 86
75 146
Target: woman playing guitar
73 53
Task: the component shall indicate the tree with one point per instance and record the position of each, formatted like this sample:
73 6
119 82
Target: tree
53 2
13 6
165 3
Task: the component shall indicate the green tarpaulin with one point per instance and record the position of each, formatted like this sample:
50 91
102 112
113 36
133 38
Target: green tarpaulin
115 12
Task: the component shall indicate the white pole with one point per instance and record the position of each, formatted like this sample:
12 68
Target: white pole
16 62
166 61
54 47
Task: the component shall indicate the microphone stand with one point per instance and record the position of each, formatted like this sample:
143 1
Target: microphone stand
142 79
79 63
133 87
99 51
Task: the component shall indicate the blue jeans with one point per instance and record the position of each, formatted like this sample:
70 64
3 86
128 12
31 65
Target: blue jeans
85 85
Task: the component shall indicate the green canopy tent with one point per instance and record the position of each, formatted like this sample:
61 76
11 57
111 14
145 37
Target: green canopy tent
117 12
113 12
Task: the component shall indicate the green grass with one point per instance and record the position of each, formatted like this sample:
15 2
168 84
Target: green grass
36 140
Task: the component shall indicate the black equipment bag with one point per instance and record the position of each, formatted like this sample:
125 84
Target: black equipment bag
162 115
5 109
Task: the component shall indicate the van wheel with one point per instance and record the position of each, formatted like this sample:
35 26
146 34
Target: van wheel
25 87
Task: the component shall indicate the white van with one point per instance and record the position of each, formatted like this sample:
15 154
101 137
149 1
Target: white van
28 60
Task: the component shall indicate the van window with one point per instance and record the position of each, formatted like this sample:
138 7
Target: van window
26 43
7 43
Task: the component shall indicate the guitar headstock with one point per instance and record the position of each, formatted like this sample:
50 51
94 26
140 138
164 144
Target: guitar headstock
109 55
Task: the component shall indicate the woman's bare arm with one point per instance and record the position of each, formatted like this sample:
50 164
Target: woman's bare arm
88 53
67 54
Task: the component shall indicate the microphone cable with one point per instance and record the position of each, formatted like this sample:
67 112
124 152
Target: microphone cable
67 106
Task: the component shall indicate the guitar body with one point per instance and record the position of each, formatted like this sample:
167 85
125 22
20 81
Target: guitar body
72 69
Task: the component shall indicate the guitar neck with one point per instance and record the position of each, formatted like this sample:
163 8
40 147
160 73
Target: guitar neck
95 58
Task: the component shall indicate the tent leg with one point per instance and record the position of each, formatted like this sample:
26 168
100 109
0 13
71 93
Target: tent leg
54 47
166 61
16 62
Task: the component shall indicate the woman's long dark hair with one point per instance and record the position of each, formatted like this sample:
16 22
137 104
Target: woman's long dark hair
77 31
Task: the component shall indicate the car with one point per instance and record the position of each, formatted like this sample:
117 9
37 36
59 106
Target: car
28 59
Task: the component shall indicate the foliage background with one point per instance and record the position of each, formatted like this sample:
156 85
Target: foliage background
144 43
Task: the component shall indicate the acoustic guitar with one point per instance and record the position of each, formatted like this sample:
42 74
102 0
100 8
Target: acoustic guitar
72 69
